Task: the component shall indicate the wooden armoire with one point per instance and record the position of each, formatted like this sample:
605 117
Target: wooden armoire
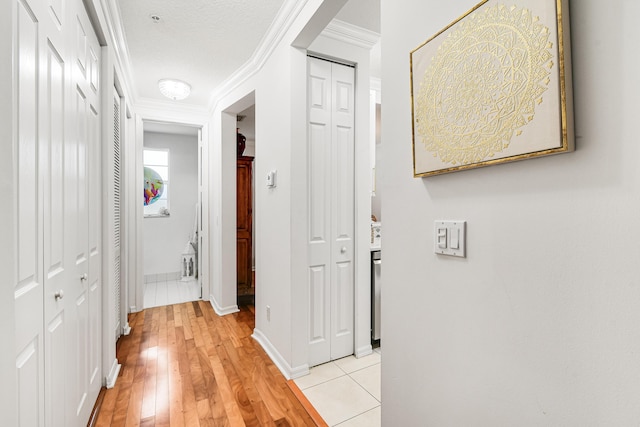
244 244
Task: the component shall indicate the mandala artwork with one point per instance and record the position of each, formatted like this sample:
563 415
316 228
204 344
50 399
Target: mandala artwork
483 85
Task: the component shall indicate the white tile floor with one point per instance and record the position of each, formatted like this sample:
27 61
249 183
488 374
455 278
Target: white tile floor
346 392
161 293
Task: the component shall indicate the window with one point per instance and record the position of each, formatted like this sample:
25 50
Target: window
156 182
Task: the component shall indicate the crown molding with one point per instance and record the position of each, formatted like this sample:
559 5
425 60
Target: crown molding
117 40
351 34
172 111
153 109
161 110
283 21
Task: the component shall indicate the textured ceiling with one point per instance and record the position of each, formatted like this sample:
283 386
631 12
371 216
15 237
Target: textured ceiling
203 42
199 41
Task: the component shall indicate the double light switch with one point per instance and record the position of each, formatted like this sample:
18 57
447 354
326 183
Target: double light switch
450 238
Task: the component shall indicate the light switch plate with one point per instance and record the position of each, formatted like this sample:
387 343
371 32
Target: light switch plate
450 238
271 179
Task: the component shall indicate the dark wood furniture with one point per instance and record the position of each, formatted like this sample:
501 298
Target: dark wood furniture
244 191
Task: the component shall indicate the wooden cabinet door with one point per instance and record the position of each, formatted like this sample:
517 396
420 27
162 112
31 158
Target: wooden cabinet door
244 225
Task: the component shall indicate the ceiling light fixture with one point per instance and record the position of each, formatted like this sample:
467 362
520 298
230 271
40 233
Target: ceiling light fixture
174 89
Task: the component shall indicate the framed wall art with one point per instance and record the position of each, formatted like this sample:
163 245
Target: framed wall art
494 86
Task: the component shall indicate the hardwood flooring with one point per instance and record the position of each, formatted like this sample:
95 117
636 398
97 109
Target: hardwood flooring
183 365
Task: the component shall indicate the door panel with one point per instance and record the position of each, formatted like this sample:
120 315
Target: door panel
55 370
318 186
343 302
58 335
55 205
28 291
331 210
343 212
82 349
83 188
344 190
57 7
319 215
28 366
93 204
81 47
318 293
243 257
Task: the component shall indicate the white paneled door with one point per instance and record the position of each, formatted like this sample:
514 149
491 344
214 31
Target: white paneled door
58 303
331 210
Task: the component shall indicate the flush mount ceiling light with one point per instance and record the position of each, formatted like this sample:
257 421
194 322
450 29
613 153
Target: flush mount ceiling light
174 89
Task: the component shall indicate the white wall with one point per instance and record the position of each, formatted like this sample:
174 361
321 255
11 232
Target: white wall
165 238
280 222
539 324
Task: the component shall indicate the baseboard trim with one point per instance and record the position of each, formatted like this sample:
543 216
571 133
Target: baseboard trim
277 359
113 374
363 351
127 329
222 311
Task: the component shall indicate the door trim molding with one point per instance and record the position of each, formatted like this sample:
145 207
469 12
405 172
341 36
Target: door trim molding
365 350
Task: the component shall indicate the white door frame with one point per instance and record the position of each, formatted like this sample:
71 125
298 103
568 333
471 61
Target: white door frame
135 215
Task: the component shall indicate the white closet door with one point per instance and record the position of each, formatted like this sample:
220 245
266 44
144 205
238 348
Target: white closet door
58 178
331 210
31 23
342 211
82 146
57 341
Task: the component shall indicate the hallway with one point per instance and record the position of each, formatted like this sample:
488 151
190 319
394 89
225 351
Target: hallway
183 365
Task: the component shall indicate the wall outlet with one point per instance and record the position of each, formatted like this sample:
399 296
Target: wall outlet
268 314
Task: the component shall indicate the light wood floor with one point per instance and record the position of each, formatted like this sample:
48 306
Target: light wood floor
182 365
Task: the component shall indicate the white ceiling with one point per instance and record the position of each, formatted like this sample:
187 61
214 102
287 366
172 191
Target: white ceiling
203 42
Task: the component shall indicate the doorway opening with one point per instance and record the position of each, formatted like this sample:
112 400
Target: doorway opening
170 228
245 207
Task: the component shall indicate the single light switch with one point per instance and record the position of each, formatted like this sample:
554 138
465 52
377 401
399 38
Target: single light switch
442 238
455 238
271 179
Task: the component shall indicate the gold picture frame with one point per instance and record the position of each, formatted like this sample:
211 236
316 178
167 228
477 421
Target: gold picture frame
492 87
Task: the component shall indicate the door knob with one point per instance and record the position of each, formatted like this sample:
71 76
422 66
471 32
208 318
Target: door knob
84 277
343 250
59 295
